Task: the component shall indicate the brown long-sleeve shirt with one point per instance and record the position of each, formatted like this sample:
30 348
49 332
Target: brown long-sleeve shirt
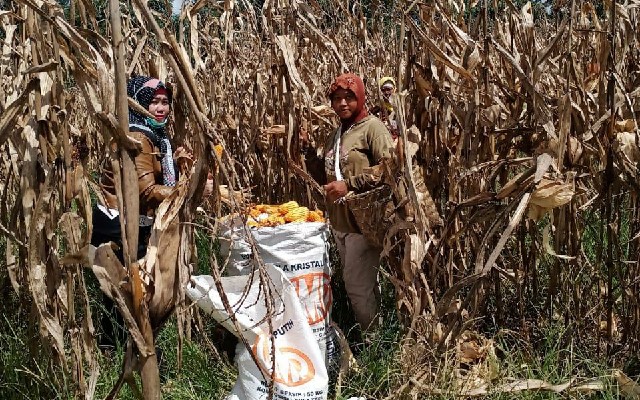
149 169
362 146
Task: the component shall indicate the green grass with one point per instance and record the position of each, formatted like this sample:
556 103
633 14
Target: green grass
21 376
550 361
202 376
552 354
379 370
378 362
518 360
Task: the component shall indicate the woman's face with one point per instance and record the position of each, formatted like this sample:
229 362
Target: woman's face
387 91
344 103
160 107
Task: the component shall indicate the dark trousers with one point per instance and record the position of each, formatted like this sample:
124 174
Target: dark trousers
108 230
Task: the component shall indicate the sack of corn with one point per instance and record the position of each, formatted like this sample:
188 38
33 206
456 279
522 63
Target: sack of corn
284 336
295 240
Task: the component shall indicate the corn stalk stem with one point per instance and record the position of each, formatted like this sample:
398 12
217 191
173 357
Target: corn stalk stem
569 59
149 371
609 173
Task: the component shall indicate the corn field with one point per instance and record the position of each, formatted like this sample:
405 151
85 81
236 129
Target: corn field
516 171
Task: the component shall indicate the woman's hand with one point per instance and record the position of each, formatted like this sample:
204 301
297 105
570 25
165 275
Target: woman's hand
208 186
335 190
304 140
181 152
184 159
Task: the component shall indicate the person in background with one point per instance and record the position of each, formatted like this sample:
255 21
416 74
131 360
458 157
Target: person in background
387 88
361 141
385 111
157 177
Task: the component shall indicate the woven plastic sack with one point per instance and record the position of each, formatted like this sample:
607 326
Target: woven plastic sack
301 251
300 371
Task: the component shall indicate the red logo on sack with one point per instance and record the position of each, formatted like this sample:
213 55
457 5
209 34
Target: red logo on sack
314 290
293 367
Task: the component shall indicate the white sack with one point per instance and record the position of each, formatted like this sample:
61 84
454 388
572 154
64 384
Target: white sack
301 251
300 369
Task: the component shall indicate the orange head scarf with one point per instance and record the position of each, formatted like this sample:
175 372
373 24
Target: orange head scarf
354 83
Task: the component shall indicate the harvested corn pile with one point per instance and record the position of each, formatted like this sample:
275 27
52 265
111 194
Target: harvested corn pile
262 215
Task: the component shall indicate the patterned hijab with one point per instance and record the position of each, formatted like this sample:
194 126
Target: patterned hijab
143 89
354 83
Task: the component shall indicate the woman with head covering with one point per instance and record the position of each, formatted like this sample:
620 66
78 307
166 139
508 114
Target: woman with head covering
385 111
387 87
157 173
360 142
154 165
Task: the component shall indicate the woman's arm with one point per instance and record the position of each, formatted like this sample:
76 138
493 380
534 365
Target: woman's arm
151 192
380 145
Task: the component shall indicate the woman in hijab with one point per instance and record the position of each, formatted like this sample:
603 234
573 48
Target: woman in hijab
387 88
360 142
157 176
154 165
385 111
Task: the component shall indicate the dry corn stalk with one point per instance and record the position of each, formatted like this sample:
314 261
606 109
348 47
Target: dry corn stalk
499 109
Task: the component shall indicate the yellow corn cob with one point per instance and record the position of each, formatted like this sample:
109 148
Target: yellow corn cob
253 223
288 212
288 206
272 210
272 220
315 216
297 214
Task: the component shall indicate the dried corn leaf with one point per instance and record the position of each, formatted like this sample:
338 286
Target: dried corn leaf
549 194
629 388
546 243
627 144
10 114
274 130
